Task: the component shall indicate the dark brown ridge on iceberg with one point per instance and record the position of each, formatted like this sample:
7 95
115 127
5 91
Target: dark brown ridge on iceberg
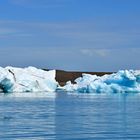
63 76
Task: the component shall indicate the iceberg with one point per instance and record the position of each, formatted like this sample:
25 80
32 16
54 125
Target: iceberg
28 79
124 81
31 79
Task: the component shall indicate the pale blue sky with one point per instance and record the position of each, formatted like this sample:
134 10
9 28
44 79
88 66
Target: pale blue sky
86 35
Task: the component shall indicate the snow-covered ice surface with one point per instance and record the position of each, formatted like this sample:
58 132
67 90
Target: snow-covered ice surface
28 79
124 81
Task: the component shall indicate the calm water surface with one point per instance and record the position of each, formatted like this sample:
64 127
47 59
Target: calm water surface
61 116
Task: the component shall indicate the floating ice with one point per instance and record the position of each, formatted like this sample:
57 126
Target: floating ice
124 81
28 79
32 79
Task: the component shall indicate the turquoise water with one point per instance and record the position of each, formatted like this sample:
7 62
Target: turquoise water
61 116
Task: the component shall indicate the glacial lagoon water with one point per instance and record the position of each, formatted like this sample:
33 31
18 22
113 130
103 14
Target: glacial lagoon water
67 116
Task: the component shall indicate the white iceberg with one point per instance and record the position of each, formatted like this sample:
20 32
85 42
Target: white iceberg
28 79
124 81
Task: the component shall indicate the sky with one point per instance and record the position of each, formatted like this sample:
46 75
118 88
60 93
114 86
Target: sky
76 35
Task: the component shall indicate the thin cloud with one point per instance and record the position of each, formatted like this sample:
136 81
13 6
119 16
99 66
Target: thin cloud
98 52
102 52
39 4
20 2
41 57
74 34
5 31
